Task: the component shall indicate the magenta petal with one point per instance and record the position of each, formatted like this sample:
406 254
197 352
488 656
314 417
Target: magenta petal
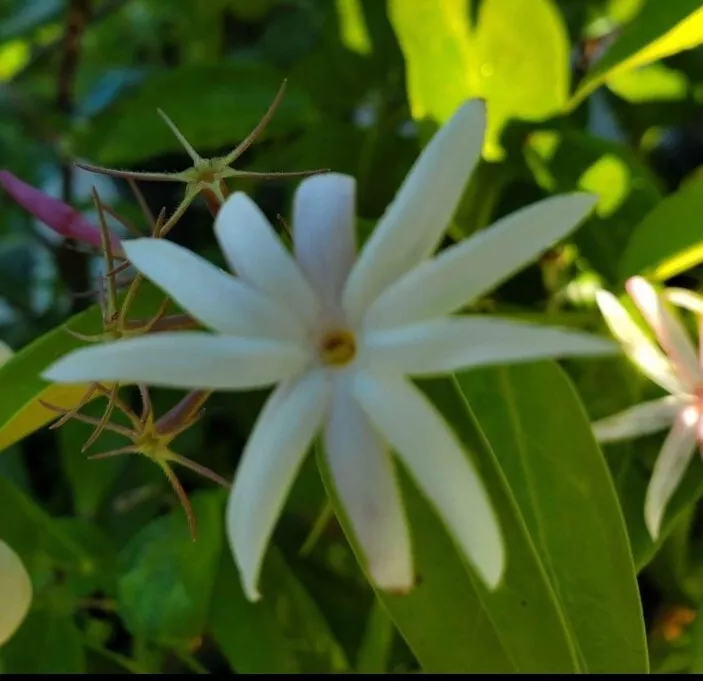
54 213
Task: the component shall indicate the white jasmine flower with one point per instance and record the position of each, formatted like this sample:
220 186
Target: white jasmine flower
677 369
341 335
15 592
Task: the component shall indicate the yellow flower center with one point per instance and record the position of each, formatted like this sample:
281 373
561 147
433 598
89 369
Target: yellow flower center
338 347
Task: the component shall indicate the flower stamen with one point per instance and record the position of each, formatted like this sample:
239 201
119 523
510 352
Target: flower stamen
338 347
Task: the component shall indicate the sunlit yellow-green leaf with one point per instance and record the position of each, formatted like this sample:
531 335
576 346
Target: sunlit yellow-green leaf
662 28
523 52
516 57
654 82
435 38
353 29
34 415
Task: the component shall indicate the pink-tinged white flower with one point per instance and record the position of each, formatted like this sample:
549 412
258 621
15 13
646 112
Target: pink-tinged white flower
675 365
342 335
15 592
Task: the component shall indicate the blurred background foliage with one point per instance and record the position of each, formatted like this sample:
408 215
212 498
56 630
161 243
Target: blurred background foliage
601 95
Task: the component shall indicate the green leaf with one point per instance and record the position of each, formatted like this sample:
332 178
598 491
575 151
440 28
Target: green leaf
516 57
659 30
36 536
450 620
563 487
569 160
284 633
375 649
48 642
213 106
22 388
165 588
668 241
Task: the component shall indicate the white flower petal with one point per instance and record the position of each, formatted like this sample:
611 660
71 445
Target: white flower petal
463 272
682 297
450 344
442 470
414 223
270 461
210 294
670 332
692 302
182 359
254 251
363 475
669 468
15 592
643 419
324 234
641 351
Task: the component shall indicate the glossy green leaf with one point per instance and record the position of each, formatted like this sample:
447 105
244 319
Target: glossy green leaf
659 30
668 241
563 487
284 633
516 57
167 579
450 620
209 115
571 160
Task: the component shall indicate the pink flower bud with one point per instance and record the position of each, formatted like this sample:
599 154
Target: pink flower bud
54 213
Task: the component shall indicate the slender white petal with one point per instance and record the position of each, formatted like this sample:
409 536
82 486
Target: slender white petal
439 465
682 297
669 468
210 294
641 351
324 234
363 475
257 255
183 359
450 344
643 419
15 592
693 302
671 334
463 272
270 461
414 223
